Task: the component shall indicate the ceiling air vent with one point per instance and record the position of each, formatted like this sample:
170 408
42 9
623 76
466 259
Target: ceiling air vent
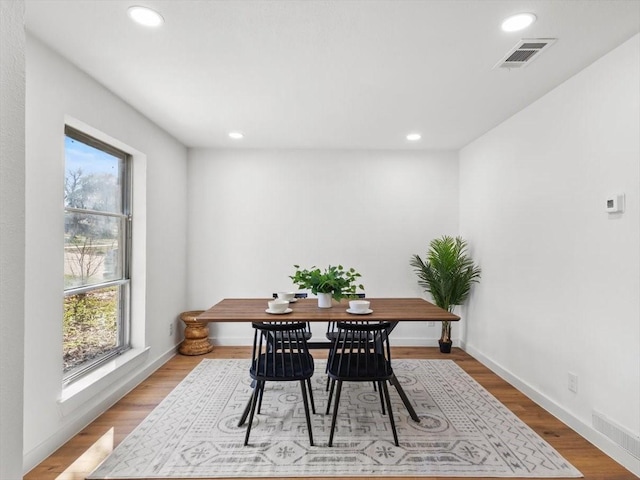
525 52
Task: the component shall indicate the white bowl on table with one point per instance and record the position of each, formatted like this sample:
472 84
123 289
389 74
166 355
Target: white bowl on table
278 305
288 296
359 306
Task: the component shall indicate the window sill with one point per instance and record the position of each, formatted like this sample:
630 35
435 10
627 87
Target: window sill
84 389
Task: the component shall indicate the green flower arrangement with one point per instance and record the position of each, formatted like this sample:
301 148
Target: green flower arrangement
338 281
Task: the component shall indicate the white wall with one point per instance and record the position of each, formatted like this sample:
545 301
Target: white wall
560 286
253 214
12 218
56 91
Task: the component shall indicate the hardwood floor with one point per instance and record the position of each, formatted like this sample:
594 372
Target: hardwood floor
81 454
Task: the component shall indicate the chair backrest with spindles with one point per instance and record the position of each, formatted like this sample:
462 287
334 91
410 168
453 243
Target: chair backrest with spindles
361 351
280 352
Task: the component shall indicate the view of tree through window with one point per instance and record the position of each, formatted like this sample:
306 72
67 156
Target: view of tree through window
96 193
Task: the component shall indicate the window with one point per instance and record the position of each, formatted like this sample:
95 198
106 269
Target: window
97 239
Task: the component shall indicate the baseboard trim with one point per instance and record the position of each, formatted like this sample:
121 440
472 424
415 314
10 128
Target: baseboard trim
602 442
45 448
227 341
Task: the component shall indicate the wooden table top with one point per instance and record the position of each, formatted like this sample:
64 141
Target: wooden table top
307 310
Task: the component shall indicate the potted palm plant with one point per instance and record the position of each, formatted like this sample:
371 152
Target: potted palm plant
447 273
332 282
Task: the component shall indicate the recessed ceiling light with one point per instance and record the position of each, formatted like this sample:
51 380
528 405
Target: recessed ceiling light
145 16
413 137
518 22
236 135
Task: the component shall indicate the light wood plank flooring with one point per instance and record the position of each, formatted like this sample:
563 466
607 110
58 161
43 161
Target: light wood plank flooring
82 453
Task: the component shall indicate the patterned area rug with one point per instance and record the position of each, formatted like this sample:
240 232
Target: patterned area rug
464 431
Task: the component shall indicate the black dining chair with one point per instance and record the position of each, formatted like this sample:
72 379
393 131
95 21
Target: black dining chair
332 331
361 353
276 359
307 331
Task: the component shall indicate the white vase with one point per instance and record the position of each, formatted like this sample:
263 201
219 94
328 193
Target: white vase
324 300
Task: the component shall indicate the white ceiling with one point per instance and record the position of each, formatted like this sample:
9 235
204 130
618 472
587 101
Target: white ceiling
344 74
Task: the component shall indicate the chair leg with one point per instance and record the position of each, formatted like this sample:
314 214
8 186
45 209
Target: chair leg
306 410
381 396
326 369
393 423
313 404
247 408
332 382
335 411
260 398
254 400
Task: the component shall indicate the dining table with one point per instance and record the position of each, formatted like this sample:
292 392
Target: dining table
392 310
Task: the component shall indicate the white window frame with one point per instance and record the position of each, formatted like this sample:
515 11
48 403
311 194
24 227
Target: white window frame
124 283
111 375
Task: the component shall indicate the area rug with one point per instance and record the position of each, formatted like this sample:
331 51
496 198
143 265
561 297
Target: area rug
464 431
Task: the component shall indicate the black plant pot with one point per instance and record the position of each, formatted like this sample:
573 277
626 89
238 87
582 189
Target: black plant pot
445 347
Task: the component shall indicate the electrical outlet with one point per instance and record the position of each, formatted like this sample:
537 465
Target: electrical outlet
171 329
573 382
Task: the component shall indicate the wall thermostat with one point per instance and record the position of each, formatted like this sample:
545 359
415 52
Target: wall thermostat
615 203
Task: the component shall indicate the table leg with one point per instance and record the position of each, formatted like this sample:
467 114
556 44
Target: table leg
394 381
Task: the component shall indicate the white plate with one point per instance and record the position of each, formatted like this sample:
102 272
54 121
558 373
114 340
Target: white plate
288 310
365 312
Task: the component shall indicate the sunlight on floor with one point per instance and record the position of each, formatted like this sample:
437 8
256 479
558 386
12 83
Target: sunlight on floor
90 459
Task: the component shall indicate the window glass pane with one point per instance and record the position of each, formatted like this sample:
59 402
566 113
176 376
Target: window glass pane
90 326
96 241
93 178
92 252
